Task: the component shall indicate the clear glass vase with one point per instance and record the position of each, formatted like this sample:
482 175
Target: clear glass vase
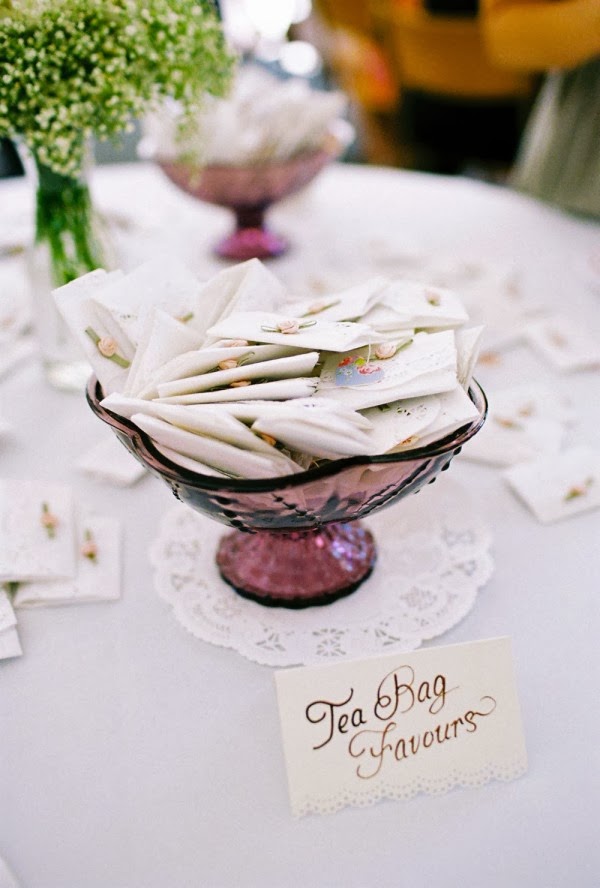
69 241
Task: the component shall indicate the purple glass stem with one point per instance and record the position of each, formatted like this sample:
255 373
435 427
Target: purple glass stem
251 239
299 568
250 216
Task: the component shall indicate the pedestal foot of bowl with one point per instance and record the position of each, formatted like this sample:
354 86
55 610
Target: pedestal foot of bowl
297 569
251 243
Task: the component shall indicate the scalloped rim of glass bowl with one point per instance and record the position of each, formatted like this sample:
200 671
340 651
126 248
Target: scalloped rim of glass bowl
171 471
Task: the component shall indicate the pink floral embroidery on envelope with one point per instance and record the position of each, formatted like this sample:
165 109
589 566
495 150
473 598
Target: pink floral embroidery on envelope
355 370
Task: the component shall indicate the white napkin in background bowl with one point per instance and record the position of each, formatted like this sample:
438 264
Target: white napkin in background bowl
262 119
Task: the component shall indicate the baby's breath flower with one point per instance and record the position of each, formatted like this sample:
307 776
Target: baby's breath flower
71 67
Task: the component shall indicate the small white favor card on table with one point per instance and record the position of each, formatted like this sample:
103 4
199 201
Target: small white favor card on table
37 531
52 553
394 726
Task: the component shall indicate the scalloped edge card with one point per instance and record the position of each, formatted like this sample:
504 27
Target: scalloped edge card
394 726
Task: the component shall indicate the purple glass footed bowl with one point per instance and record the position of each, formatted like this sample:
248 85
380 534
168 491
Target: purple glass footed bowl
249 191
297 539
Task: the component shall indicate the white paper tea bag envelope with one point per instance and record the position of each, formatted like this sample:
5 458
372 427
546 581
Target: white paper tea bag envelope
311 334
504 323
310 409
204 360
291 367
490 292
524 422
212 422
477 280
9 638
424 306
243 287
360 380
456 411
84 287
419 422
506 442
106 313
98 569
107 347
558 486
277 390
346 305
322 433
224 457
163 282
10 646
387 323
531 401
400 421
122 405
37 531
191 465
468 344
7 614
565 344
309 440
163 338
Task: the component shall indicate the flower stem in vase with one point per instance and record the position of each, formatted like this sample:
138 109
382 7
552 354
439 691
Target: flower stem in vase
64 222
67 245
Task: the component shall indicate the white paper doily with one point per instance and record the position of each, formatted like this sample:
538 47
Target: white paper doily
433 557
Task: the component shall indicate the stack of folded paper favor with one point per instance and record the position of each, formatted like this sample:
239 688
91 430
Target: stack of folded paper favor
235 378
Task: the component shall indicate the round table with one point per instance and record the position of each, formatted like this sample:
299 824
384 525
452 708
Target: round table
133 755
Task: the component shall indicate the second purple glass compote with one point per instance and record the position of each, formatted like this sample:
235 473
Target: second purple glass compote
249 191
297 540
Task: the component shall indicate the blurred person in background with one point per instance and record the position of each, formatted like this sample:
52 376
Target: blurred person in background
455 110
559 159
347 35
462 111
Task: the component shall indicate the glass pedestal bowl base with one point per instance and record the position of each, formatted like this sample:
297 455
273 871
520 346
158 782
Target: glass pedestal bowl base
297 539
299 568
249 191
252 243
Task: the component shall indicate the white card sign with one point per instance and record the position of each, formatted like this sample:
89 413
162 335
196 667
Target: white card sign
390 727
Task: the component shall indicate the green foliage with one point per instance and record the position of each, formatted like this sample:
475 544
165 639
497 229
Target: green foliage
70 68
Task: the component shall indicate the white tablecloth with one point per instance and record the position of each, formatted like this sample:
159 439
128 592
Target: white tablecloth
133 755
